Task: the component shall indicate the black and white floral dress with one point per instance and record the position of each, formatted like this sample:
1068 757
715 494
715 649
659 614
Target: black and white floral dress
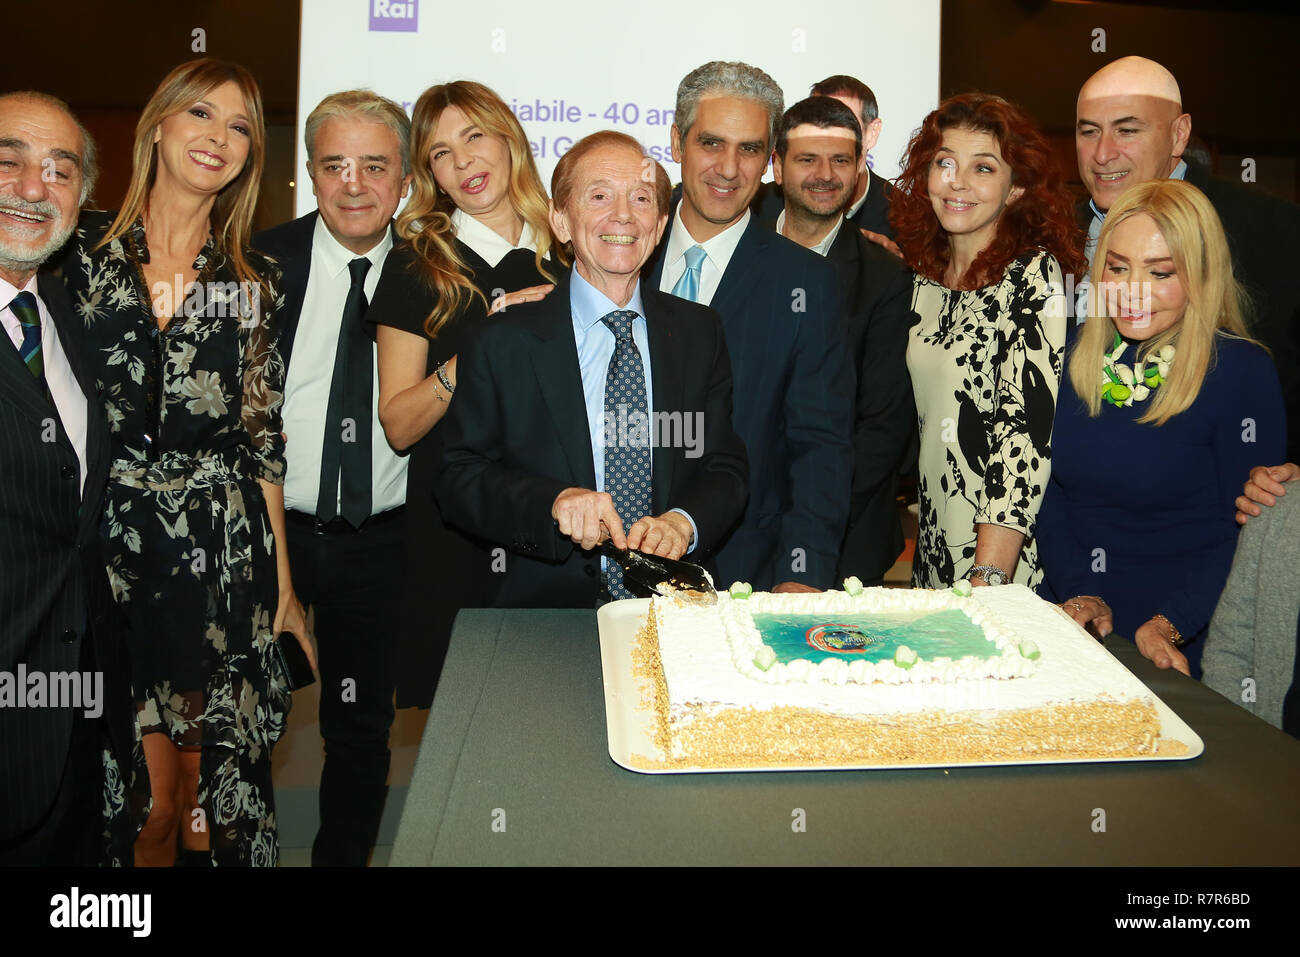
193 410
986 366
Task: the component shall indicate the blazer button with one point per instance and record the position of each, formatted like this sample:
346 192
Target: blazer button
68 471
68 636
589 570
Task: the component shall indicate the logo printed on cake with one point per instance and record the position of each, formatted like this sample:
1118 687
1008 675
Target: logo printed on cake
839 638
402 16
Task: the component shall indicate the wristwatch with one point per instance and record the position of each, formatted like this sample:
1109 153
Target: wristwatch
991 574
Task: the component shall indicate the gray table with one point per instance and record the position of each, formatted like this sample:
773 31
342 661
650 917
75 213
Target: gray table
514 769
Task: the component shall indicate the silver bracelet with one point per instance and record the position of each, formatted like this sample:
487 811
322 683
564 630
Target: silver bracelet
441 373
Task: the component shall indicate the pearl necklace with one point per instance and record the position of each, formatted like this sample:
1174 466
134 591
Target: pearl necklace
1121 385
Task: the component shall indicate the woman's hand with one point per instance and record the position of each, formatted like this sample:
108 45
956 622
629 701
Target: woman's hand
1264 485
289 616
531 294
1092 614
1153 640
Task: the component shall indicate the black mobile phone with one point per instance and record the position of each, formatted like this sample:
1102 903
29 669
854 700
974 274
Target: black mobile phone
293 661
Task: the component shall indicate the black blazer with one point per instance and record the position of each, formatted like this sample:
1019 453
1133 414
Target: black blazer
516 436
289 244
794 381
878 293
874 213
54 588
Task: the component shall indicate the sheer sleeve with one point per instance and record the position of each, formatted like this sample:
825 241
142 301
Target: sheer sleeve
1029 361
264 377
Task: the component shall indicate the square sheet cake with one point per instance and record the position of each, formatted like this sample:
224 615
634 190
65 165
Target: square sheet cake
885 676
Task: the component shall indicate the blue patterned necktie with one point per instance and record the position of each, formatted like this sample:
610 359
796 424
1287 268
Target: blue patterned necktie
627 460
688 287
29 317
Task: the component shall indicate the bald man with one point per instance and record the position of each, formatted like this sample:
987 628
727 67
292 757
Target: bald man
1130 127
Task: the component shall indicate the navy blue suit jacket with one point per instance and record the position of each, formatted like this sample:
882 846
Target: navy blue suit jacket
782 311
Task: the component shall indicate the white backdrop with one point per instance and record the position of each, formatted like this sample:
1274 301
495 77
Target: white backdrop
576 66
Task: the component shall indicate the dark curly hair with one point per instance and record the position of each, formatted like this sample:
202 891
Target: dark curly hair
1043 216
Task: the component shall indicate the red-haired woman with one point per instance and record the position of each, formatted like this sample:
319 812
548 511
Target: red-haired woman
982 216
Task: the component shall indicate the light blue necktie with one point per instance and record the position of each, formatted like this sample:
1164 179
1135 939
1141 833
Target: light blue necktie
688 287
627 466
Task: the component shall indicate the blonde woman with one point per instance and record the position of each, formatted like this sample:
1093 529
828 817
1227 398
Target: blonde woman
1166 406
180 314
474 230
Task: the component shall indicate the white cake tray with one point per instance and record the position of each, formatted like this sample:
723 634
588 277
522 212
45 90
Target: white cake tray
630 723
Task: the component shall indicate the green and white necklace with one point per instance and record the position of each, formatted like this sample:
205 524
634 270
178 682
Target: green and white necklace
1122 385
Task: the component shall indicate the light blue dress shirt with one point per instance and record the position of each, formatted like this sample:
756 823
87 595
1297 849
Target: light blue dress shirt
595 342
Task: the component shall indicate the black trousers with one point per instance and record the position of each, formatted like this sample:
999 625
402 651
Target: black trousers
354 581
69 835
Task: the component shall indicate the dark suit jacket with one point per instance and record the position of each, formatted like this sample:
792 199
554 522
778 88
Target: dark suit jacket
1264 233
290 245
873 215
54 589
516 436
781 308
878 296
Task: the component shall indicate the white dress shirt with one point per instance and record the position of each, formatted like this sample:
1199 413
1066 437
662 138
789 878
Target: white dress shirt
69 400
823 247
486 241
718 252
311 369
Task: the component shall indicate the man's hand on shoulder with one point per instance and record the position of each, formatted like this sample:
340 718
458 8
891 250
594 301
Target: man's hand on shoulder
1265 483
588 517
667 535
880 239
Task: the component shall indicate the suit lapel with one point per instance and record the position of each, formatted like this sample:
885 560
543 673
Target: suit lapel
73 340
555 362
740 277
666 363
295 263
17 385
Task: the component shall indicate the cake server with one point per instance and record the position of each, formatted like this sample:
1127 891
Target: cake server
664 576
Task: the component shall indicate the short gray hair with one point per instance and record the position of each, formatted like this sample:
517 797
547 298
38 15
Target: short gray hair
719 78
89 155
363 104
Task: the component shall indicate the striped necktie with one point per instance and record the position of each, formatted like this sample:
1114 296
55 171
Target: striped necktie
627 462
29 317
688 287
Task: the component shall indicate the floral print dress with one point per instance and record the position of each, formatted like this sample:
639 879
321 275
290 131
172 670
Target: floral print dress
986 365
193 410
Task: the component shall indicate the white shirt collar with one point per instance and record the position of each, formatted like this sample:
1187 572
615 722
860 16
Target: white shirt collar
822 248
853 210
334 257
486 241
719 249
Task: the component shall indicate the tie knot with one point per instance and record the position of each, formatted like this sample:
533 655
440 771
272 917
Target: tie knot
24 307
620 323
358 268
695 257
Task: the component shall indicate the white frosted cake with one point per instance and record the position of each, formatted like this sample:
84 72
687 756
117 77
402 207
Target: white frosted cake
885 676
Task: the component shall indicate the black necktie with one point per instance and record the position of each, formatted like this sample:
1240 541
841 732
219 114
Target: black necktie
346 451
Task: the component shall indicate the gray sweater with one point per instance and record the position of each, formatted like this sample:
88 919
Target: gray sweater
1253 633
